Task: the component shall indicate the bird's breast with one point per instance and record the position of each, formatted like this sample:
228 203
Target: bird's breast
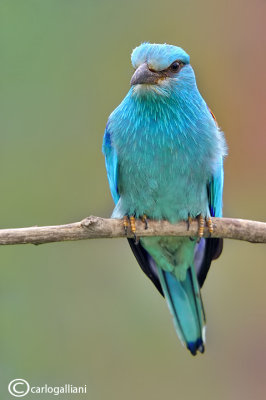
165 159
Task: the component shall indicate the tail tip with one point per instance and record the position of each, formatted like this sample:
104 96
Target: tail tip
198 345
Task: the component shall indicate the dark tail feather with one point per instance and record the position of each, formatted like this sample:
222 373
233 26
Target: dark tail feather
206 251
146 263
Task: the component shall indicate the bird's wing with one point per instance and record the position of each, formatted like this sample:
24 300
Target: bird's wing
211 248
215 187
111 162
215 191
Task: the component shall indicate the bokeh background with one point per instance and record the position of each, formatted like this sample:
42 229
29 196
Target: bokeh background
83 312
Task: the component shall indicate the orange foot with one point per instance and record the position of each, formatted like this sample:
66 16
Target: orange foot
201 222
201 226
131 221
209 225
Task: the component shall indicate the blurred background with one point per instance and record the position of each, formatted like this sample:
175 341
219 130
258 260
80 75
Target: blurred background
83 312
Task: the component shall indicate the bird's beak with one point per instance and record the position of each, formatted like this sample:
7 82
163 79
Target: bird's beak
144 75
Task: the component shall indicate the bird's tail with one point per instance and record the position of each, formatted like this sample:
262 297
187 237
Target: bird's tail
184 301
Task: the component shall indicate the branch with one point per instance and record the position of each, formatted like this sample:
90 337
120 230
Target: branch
96 228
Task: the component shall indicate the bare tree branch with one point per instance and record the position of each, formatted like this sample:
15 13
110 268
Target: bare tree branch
96 227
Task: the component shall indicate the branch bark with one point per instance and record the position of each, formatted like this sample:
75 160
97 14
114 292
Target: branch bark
96 228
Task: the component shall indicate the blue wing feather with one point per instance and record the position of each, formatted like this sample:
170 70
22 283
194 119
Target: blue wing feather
111 162
215 191
211 248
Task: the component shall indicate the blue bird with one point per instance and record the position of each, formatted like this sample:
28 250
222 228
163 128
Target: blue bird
164 159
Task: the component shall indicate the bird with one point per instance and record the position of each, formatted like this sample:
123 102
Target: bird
164 155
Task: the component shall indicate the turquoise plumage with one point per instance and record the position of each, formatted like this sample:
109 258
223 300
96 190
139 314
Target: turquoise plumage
164 158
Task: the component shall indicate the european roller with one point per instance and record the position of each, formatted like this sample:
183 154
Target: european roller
164 158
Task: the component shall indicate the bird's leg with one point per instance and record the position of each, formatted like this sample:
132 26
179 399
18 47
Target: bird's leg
209 225
133 228
132 224
125 224
130 221
201 226
144 219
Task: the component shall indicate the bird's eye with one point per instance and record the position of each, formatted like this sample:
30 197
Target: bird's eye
175 66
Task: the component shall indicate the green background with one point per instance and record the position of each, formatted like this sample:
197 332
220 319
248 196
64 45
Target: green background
83 312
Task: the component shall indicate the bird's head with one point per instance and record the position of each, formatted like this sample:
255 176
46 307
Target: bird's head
160 68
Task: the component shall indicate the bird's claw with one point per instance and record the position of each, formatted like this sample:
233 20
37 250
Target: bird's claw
201 226
144 219
201 222
189 220
130 221
132 224
125 224
209 225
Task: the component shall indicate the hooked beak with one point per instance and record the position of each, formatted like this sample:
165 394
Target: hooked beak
146 76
